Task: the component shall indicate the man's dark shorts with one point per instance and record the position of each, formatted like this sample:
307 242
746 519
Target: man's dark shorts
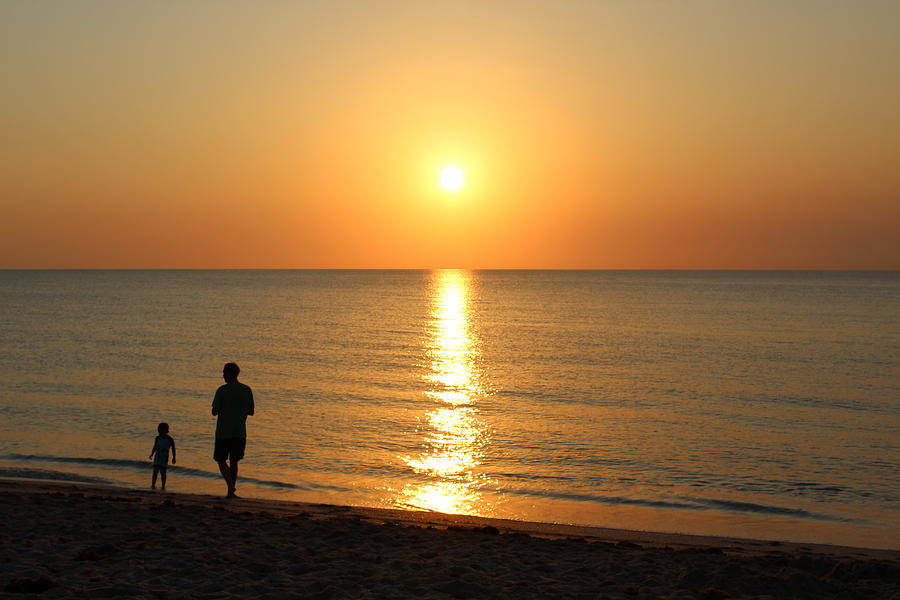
232 448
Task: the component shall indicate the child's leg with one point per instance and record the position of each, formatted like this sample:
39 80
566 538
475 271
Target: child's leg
162 472
155 473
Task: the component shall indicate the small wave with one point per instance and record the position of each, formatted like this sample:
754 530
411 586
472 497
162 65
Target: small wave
688 503
15 473
138 465
750 507
601 499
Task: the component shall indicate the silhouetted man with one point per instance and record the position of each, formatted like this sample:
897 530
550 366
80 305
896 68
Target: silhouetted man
232 404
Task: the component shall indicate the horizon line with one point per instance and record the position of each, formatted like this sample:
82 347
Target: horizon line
621 269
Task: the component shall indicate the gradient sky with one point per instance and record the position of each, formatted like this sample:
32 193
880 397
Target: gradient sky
595 134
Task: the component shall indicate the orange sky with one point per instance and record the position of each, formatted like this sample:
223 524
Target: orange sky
593 134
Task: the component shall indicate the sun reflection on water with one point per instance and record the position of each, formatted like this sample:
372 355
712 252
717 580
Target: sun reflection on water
454 438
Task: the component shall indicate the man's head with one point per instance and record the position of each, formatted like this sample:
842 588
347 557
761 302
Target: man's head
163 429
230 371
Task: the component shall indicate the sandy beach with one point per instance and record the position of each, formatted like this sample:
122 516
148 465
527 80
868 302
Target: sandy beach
63 540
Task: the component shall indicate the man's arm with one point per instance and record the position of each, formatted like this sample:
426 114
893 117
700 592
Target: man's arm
173 451
252 405
216 404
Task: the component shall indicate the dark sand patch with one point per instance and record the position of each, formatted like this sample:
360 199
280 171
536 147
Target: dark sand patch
89 541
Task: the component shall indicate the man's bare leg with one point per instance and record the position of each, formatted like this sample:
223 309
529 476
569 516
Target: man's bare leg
234 472
226 474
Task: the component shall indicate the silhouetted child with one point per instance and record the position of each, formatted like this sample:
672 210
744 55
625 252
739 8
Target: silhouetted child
160 454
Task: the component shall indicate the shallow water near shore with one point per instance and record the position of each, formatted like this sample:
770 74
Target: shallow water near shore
752 404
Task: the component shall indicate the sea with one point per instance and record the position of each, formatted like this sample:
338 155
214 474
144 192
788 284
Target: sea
751 404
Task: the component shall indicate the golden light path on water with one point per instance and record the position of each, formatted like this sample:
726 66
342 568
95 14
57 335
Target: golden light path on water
454 440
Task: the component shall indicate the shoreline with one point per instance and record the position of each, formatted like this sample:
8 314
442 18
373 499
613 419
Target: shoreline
711 524
89 540
433 519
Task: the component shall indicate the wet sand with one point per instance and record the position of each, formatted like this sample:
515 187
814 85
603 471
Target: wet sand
62 540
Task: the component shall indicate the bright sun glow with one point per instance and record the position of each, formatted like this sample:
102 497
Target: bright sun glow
452 178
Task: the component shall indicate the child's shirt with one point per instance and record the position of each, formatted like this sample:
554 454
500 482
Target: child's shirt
161 450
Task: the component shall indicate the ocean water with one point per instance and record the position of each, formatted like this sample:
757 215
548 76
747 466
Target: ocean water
752 404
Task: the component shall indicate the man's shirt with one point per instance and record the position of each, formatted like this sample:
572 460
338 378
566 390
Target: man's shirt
234 402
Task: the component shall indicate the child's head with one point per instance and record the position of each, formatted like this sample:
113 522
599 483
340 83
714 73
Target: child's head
163 428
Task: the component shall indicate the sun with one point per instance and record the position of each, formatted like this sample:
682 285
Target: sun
452 178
